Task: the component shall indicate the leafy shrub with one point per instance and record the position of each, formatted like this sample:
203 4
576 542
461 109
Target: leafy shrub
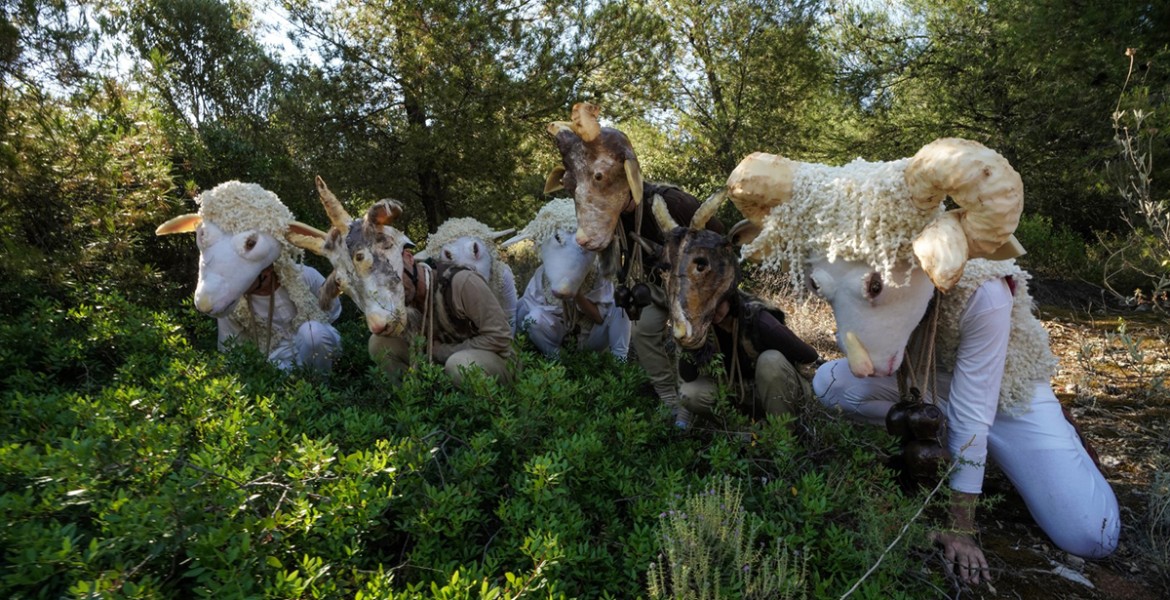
134 462
1053 251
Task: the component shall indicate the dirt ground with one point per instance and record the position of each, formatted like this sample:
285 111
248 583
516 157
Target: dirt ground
1115 380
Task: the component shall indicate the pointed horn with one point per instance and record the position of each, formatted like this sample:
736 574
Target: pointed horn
990 195
585 121
180 224
496 235
337 215
662 214
708 210
760 182
515 240
552 183
634 178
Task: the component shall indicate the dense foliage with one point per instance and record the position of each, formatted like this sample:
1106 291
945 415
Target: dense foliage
134 464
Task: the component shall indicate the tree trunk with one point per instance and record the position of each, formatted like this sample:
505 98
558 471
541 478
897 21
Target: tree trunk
432 192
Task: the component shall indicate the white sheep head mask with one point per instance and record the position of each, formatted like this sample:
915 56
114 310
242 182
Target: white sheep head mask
879 294
366 255
240 230
465 242
566 264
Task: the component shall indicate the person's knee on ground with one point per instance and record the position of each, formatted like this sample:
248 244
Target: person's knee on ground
317 344
391 354
546 339
695 399
865 399
779 388
649 342
490 363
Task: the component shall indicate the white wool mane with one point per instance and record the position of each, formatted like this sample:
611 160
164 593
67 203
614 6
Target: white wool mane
557 215
235 207
453 229
857 212
1029 358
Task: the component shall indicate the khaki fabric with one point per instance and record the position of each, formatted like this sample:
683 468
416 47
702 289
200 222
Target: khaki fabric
776 389
649 340
489 347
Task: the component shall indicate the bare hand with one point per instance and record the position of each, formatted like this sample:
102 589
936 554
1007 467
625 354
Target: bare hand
963 557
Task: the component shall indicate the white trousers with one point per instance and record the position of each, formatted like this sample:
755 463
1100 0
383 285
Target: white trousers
547 330
1039 451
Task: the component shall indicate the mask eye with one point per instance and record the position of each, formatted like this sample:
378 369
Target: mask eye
250 243
359 257
597 176
873 285
557 235
812 284
447 255
701 264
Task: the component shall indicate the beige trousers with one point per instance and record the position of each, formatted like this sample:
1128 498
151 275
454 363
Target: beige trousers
777 388
393 356
649 339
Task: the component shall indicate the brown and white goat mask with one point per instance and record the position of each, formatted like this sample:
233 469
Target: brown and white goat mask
366 255
700 269
599 169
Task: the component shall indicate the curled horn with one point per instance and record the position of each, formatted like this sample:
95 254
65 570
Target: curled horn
337 215
585 122
707 210
662 215
760 182
990 195
384 212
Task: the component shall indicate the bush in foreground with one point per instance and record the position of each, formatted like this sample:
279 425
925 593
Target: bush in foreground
133 464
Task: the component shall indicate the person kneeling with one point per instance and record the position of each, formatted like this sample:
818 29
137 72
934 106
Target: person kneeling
463 322
760 363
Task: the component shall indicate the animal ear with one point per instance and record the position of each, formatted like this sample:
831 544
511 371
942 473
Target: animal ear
329 292
634 177
384 212
181 224
552 183
558 126
744 232
306 237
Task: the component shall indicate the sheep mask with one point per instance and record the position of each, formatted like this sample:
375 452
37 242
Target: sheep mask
241 230
874 239
366 255
469 243
599 169
566 264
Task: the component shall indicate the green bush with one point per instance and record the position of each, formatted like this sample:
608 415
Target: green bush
1052 251
137 461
